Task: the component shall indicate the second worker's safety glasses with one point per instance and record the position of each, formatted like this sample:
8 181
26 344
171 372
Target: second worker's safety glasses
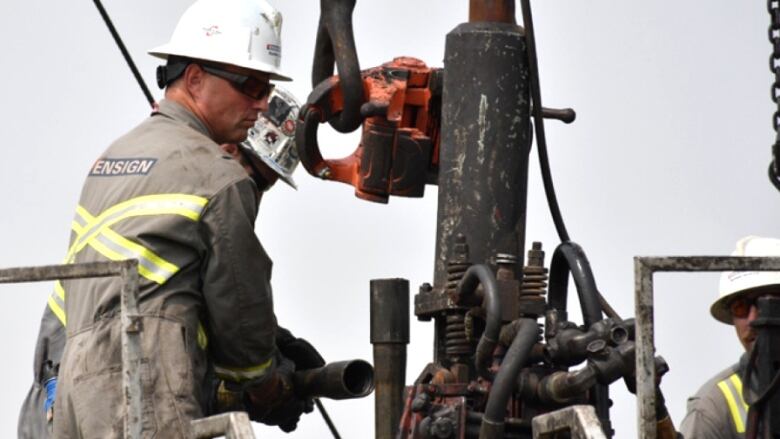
251 86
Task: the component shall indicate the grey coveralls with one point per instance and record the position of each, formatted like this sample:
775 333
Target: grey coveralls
718 411
165 194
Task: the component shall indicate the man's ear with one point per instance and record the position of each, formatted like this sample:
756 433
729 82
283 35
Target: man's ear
194 78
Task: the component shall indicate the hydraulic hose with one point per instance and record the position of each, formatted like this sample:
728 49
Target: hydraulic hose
477 275
335 45
517 355
541 139
570 258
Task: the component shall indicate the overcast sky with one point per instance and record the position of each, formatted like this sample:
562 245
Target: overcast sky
668 156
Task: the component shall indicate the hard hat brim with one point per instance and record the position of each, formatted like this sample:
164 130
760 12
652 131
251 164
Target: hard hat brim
286 177
166 50
720 308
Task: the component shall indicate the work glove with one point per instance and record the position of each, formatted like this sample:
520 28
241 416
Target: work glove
273 401
300 351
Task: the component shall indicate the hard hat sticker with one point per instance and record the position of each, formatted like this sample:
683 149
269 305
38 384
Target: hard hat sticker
211 30
274 49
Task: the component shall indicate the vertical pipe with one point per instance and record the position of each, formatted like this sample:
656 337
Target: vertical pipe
645 349
499 11
389 335
486 139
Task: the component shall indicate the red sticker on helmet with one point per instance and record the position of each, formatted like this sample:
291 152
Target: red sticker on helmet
288 127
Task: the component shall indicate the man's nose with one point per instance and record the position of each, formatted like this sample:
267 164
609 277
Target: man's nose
261 105
753 312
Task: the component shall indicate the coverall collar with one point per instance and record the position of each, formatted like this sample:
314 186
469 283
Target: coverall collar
176 111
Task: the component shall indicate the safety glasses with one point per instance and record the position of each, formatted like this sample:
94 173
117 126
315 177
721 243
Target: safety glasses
251 86
740 307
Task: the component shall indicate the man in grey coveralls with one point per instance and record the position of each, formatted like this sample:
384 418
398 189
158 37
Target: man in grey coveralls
718 409
168 195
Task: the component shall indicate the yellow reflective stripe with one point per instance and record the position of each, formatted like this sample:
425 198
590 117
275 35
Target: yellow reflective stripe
189 206
86 218
737 382
76 227
121 252
244 374
203 340
57 310
151 265
59 290
54 305
733 408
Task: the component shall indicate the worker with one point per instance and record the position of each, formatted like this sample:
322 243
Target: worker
167 195
36 414
718 410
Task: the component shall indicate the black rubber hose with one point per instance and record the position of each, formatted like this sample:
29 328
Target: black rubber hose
541 139
125 53
335 44
477 275
504 384
570 258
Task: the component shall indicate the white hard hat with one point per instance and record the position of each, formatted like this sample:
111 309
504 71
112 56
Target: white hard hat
272 139
736 283
243 33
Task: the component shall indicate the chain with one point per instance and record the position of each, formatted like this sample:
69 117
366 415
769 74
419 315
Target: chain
773 7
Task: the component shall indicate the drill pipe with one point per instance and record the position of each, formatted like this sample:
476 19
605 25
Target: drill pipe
389 335
339 380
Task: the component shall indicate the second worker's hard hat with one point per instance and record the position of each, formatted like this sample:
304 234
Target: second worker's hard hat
736 283
243 33
272 139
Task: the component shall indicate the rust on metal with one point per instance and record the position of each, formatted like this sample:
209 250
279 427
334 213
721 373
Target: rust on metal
644 267
496 11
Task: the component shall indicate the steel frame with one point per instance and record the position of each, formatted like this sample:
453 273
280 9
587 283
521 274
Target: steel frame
234 425
644 267
580 420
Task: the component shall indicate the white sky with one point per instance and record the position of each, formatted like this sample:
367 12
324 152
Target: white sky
668 156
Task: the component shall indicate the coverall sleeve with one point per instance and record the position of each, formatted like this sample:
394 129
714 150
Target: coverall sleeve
237 287
705 420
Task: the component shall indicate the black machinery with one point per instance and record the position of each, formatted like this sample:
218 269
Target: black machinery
503 344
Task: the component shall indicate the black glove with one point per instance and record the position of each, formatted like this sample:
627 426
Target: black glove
300 351
273 401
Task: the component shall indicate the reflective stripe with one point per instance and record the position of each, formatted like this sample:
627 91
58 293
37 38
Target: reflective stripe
189 206
737 382
95 232
82 217
731 388
151 266
239 375
57 302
